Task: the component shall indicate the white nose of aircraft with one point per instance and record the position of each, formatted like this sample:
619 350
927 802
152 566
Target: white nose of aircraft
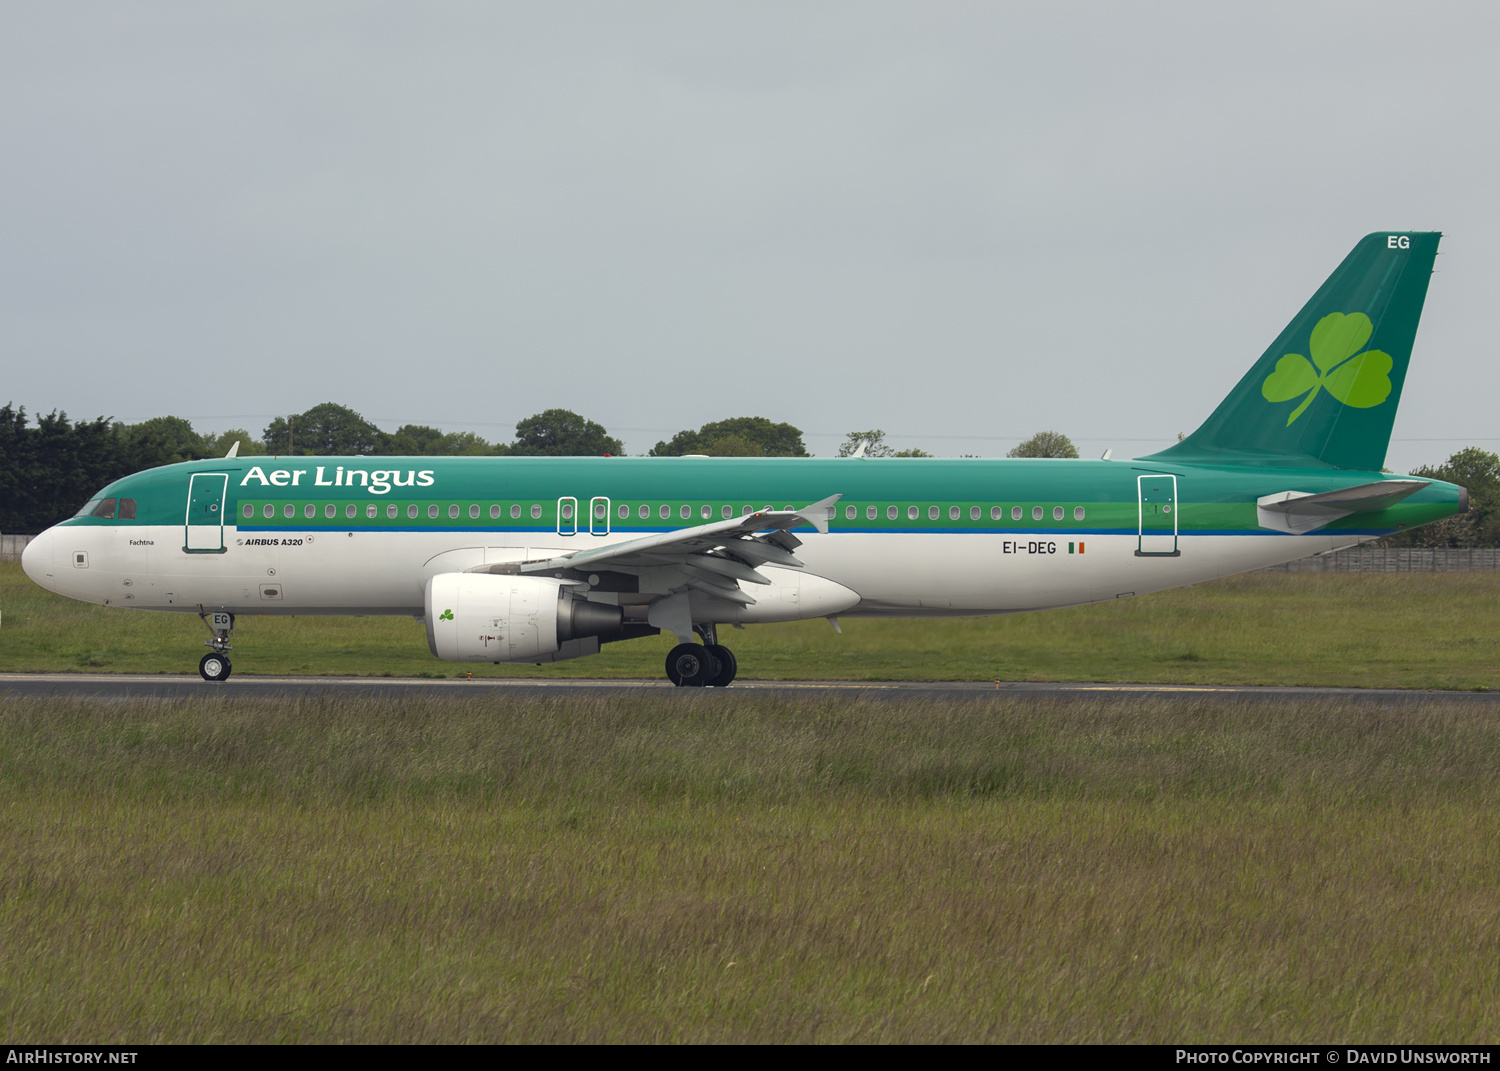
36 559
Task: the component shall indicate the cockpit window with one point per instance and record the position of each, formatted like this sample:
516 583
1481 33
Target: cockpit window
127 509
87 508
105 509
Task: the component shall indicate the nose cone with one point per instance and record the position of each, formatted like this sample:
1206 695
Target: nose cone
36 559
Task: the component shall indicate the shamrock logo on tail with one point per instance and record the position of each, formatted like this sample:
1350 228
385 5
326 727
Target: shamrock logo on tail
1358 379
446 615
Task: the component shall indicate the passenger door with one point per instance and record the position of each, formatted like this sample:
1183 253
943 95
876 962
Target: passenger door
1158 517
204 526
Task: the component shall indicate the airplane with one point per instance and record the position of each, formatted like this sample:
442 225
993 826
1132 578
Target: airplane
542 559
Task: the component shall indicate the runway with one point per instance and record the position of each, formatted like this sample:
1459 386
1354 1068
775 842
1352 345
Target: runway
164 686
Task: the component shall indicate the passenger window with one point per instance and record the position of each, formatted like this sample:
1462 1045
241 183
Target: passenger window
851 513
890 513
973 513
665 513
390 512
932 513
871 512
289 511
567 511
1057 513
624 513
708 513
350 510
953 513
727 512
1078 513
745 511
106 509
453 513
536 512
1036 513
127 509
411 513
912 513
474 513
600 511
309 511
330 511
494 513
644 513
996 512
432 513
686 513
249 510
1015 513
515 513
269 511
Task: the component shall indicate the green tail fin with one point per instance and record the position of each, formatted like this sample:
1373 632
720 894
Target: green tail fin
1328 387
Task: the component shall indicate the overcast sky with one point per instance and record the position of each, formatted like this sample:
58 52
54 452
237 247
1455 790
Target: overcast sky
961 222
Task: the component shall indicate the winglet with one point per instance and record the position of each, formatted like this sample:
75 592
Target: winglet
234 451
819 513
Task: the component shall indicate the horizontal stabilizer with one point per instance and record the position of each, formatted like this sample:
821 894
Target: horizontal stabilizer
1299 511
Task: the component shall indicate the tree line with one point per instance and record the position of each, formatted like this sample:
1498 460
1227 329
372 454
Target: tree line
50 465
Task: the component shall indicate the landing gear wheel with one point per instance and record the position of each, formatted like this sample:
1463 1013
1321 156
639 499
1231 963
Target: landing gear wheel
727 665
214 667
691 666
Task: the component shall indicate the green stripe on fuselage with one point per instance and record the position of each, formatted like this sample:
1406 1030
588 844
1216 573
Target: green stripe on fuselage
1210 498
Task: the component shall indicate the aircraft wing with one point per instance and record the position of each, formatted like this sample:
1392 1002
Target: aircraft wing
713 556
1299 511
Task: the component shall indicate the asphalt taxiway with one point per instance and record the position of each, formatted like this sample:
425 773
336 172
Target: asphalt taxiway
164 686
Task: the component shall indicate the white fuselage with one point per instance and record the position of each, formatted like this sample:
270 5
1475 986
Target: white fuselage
891 574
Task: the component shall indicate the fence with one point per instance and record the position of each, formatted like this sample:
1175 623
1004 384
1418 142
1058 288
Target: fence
12 545
1397 560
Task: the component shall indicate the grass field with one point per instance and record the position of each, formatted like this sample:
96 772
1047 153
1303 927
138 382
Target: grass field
1433 630
723 867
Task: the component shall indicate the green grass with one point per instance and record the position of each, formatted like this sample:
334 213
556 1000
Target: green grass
722 867
1433 630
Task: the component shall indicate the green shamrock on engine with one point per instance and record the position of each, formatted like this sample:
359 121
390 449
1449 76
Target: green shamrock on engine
1358 379
446 615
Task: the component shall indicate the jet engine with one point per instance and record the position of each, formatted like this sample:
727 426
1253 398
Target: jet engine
489 617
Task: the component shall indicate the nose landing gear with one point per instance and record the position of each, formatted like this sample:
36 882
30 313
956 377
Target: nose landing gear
215 666
710 665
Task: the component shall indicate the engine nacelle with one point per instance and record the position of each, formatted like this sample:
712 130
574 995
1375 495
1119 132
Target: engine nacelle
489 617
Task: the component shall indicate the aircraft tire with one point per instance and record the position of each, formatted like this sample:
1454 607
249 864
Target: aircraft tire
728 666
214 667
690 665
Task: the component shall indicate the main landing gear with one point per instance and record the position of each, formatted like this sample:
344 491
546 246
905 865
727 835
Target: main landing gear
691 665
215 666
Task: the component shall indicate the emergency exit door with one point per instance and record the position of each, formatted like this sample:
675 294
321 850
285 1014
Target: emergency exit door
567 516
1158 517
